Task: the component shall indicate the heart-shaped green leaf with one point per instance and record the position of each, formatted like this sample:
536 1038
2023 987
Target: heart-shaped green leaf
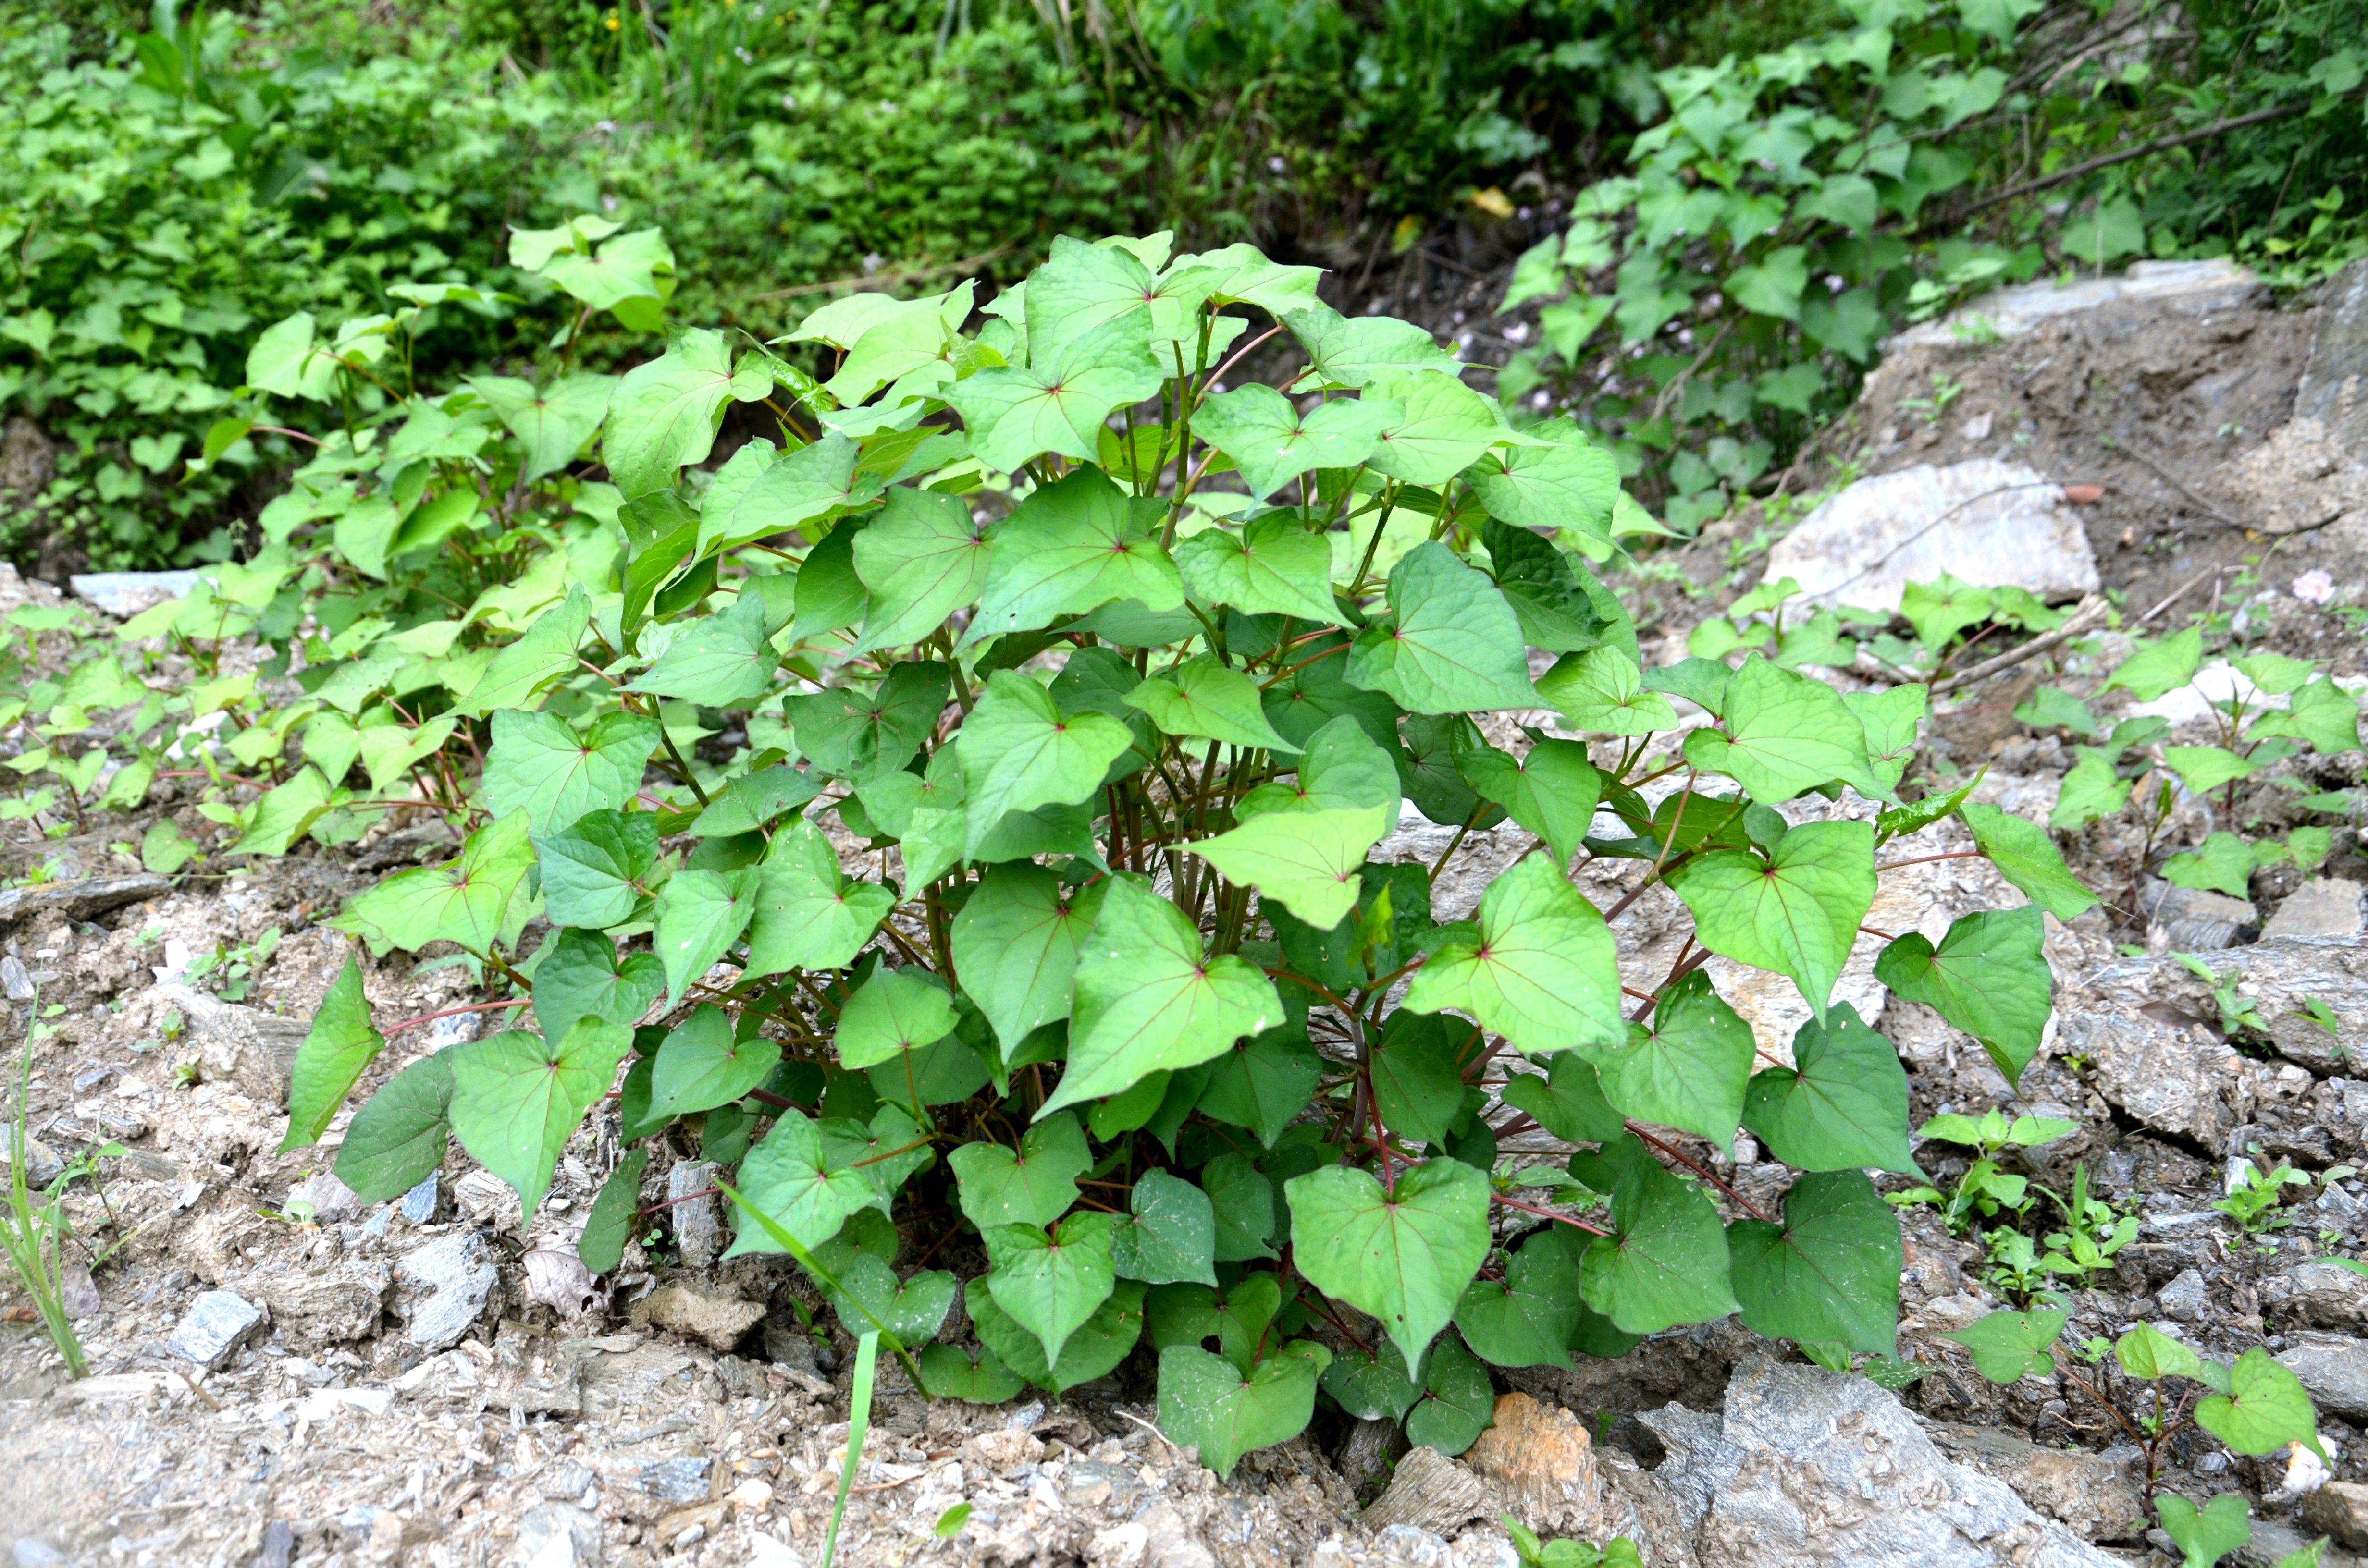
1796 912
1526 1318
1274 566
971 1373
1450 643
1842 1104
1205 1400
1271 442
1602 690
792 1181
2264 1409
805 916
1987 977
398 1138
1033 1186
1458 1403
1544 972
1202 696
1090 1351
1068 549
596 869
1665 1261
338 1048
517 1097
701 915
583 975
702 1066
540 767
1016 945
1689 1069
1018 752
1829 1272
1306 861
1785 733
2006 1346
1403 1255
1170 1234
2026 857
896 1011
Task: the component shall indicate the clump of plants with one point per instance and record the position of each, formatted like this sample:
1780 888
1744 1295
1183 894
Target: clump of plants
1115 684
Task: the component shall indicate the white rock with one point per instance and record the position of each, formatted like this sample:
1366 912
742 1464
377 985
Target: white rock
219 1322
445 1285
1993 523
2017 311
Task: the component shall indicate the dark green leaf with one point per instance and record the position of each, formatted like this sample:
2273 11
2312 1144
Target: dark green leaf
338 1048
1843 1104
398 1138
1829 1272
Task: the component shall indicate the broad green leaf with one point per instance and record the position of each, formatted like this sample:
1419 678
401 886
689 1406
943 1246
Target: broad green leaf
1550 600
753 800
896 1010
1418 1075
552 424
1275 565
630 268
1306 861
465 901
805 917
595 870
1665 1261
885 1150
517 1097
1147 999
1831 1272
1602 690
279 357
702 1066
1552 791
1566 1100
1371 1386
1050 1283
338 1048
861 734
1016 945
1843 1104
1544 972
1033 1186
2205 1536
699 916
583 975
2052 706
2264 1409
1451 644
1350 351
976 1376
1689 1069
540 769
2322 713
1889 719
1785 733
1458 1403
1067 548
273 822
1057 404
2026 857
546 652
1202 696
792 1181
2092 789
868 1291
665 413
2158 666
810 482
1018 752
1204 1400
1084 286
1987 978
2146 1352
1404 1255
1244 1201
1319 692
1090 1351
610 1223
722 660
1441 428
1270 442
2009 1346
1940 610
397 1139
2223 862
1263 1083
922 558
1170 1236
1796 912
2204 768
1525 1319
1569 483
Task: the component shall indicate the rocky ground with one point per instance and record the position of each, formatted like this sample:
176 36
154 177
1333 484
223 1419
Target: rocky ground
284 1377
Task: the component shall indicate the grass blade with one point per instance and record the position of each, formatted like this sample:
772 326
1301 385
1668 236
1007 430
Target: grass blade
858 1422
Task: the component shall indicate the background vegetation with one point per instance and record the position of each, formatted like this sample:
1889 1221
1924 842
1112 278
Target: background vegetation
174 181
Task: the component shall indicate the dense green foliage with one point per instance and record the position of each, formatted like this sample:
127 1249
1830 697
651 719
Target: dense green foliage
1120 996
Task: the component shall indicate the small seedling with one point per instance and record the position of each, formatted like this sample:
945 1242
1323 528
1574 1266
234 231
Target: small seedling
1618 1552
1985 1190
2252 1203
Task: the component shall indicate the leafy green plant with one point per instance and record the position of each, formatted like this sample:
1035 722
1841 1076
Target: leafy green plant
1984 1189
1617 1552
2252 1201
2093 1231
2254 1404
1114 684
34 1235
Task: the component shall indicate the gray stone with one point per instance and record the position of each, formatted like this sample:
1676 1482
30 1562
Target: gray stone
1806 1468
2172 1077
2322 907
219 1322
1429 1493
2280 976
2300 478
2017 311
332 1200
2333 1367
2339 1508
34 1552
43 1164
334 1305
2099 1495
2196 920
697 1228
701 1312
542 1525
671 1480
567 1482
2186 1298
16 980
1405 1546
442 1289
1992 523
2334 386
126 593
418 1205
1169 1541
237 1045
79 900
2320 1294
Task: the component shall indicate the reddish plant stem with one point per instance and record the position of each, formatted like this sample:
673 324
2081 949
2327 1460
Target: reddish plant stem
1691 1164
1547 1214
453 1013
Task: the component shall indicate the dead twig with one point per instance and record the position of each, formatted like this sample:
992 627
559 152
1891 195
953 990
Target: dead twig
2088 614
